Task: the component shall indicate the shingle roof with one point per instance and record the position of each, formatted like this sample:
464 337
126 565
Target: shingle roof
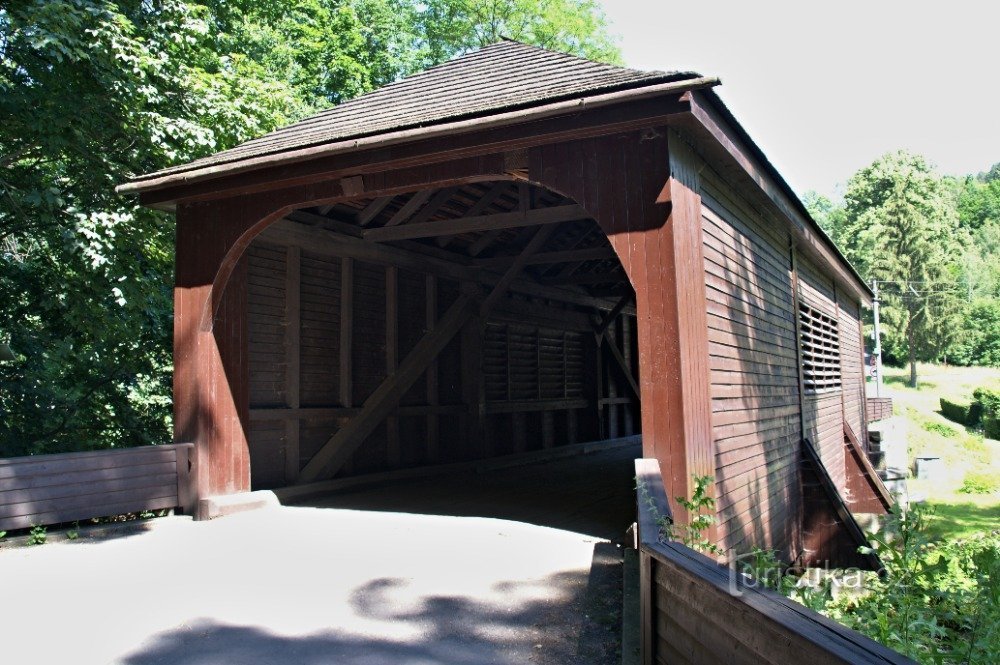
500 77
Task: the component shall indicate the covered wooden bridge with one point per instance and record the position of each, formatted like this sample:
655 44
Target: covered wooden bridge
511 253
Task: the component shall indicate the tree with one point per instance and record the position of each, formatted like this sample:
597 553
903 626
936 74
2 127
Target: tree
978 342
900 227
574 26
829 215
94 91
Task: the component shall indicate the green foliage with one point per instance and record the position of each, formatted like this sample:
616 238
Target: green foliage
940 428
37 535
74 533
989 401
576 26
936 602
979 201
94 91
978 342
956 410
977 482
701 517
934 243
900 225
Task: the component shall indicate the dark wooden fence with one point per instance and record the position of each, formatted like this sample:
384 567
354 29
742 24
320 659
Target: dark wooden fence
694 610
50 489
879 408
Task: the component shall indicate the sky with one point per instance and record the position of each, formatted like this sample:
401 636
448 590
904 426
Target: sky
824 88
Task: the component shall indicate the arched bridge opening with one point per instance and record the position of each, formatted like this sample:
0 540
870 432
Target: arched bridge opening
433 329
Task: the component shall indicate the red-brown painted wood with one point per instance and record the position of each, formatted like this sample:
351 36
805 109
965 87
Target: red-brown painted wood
653 221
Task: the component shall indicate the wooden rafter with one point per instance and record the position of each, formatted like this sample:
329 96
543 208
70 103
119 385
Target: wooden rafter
524 204
587 278
372 210
324 223
503 220
409 208
434 205
479 207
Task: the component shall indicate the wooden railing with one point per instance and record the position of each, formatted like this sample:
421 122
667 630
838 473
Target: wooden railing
51 489
693 610
878 408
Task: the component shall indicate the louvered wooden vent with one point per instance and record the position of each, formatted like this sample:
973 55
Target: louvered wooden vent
820 350
528 363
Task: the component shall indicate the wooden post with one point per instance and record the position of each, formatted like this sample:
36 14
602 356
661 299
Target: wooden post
393 452
211 372
346 332
601 430
185 491
473 387
647 619
292 360
338 449
627 426
430 320
645 195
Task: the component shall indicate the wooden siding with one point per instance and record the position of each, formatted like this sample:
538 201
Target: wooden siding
852 360
755 385
644 194
536 360
823 411
50 489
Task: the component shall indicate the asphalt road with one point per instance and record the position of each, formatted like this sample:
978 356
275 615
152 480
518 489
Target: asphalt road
352 579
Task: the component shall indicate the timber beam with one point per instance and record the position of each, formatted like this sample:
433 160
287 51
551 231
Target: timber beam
546 258
502 220
339 448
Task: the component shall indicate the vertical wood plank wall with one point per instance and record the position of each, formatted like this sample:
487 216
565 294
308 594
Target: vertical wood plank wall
537 375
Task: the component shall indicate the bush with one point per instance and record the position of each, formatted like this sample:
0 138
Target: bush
989 401
979 483
956 410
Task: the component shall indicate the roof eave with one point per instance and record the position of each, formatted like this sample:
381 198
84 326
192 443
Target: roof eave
149 184
794 204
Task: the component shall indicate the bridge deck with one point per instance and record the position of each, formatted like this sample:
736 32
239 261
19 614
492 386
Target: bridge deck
512 566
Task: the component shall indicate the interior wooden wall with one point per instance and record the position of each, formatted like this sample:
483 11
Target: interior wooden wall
325 331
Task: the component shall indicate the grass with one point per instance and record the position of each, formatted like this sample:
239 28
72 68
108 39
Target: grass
964 451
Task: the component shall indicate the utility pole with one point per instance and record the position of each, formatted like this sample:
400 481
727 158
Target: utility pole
877 334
